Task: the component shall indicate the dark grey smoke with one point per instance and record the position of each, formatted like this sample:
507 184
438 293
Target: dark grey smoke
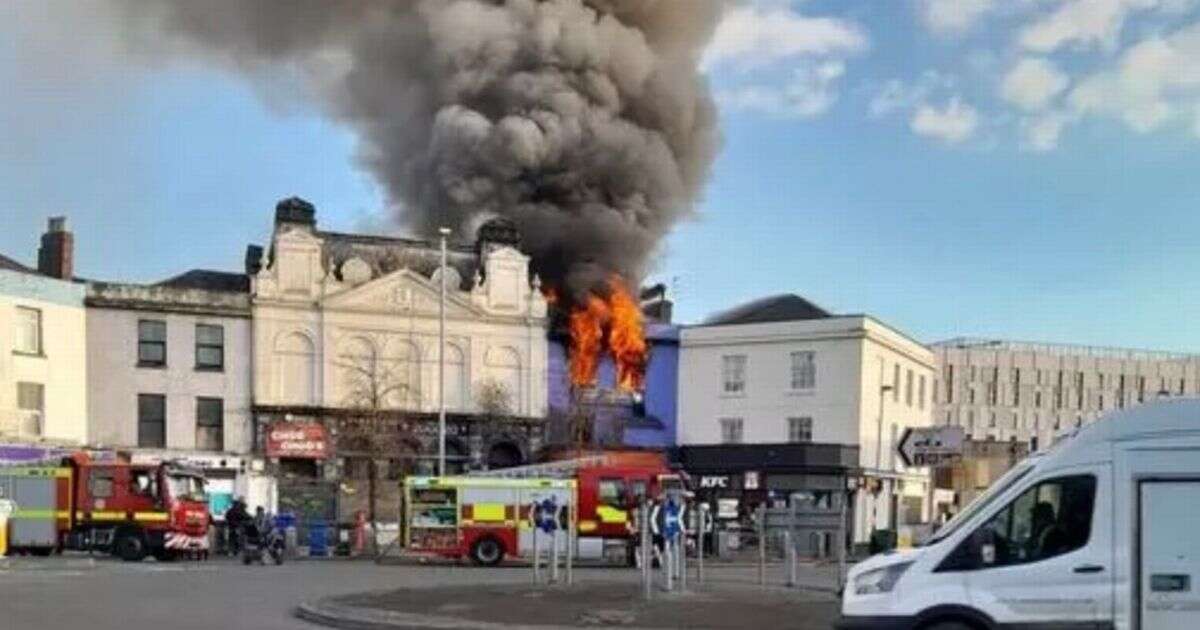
586 122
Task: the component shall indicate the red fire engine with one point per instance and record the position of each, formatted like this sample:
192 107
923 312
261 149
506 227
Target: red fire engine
608 488
126 509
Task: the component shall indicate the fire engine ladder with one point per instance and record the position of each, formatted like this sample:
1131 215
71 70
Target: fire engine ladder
550 470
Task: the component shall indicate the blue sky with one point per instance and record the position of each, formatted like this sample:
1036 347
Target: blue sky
1012 168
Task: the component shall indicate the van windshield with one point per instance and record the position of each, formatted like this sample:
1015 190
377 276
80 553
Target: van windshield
982 501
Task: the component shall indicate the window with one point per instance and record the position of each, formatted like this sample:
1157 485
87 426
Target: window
152 343
733 373
28 335
1037 399
152 421
210 347
800 429
1141 395
896 384
31 397
971 395
143 482
1079 390
804 370
992 420
210 424
921 392
1016 387
31 403
1181 384
950 384
100 485
1033 444
611 492
971 420
731 430
1050 519
908 388
1100 402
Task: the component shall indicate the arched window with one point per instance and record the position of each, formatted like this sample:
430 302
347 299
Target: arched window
504 368
504 455
296 369
358 377
456 378
401 370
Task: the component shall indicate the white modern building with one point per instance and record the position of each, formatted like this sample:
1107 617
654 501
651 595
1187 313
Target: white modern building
1011 391
43 367
814 394
335 314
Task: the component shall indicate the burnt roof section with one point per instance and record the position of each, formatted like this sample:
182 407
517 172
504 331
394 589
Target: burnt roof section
786 307
387 254
208 280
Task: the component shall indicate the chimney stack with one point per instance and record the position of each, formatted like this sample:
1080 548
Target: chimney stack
56 256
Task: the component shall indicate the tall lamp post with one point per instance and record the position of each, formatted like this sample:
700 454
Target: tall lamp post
444 232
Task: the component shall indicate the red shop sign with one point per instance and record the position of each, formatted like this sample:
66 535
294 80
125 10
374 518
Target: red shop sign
296 439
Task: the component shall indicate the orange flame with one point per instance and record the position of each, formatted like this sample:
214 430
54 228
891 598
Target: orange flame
587 337
627 338
617 320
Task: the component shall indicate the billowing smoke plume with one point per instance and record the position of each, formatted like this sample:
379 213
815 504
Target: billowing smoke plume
586 122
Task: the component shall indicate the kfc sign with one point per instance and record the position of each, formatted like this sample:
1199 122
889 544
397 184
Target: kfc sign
717 482
301 440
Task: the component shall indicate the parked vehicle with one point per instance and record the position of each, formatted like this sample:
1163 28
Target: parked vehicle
1098 532
610 487
481 518
128 510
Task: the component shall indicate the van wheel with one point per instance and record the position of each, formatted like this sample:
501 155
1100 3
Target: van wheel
130 547
487 552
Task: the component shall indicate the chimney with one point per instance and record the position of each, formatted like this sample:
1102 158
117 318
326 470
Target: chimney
56 256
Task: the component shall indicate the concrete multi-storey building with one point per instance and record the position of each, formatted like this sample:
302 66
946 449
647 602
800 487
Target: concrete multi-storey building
779 396
1013 391
169 375
43 367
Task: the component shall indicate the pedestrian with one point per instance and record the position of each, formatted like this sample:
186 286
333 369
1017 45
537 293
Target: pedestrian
236 518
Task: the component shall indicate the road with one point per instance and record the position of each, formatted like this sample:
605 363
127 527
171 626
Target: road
55 593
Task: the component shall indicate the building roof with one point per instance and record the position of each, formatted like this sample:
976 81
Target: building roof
784 307
386 254
209 280
9 264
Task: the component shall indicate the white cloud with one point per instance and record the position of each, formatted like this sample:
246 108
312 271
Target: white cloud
758 35
1151 83
1033 83
812 90
896 95
1041 133
953 17
1084 23
953 124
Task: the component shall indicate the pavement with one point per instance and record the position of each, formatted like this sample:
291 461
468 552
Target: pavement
59 592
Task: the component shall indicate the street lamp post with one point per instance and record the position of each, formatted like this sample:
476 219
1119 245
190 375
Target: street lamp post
444 232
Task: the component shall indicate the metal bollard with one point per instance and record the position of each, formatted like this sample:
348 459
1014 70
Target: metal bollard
683 562
701 533
554 557
668 562
537 557
647 555
571 541
762 544
790 554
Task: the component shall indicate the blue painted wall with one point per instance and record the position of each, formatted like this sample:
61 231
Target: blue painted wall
654 429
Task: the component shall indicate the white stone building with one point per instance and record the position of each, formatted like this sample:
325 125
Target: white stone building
326 305
1000 390
781 375
43 369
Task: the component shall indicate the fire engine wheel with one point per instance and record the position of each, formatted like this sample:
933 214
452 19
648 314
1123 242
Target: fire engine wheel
130 547
487 552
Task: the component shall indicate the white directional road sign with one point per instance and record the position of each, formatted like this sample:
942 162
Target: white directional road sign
932 446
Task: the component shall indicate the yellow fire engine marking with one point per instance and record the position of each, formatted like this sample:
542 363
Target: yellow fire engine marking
587 526
489 512
111 515
610 514
160 517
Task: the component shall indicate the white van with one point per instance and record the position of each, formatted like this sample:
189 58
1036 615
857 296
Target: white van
1101 531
